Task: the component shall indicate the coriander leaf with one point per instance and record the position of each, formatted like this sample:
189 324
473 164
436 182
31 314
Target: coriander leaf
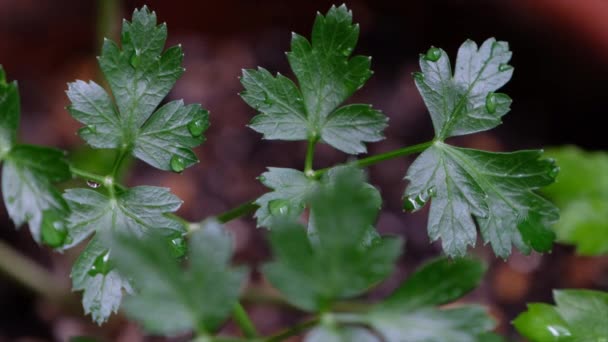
581 193
171 300
288 198
437 282
140 210
340 334
496 188
327 76
28 175
579 315
336 263
103 286
542 323
140 75
465 102
9 113
463 324
280 102
137 210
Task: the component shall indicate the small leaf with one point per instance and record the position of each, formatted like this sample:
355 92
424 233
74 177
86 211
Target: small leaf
140 75
327 76
579 315
335 263
139 211
581 193
496 188
28 175
172 300
437 282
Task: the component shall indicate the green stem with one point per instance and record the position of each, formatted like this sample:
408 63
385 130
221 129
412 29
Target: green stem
93 177
242 319
120 157
108 18
310 155
384 156
292 331
237 212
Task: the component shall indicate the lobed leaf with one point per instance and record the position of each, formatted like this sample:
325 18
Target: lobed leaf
579 315
327 76
172 300
140 75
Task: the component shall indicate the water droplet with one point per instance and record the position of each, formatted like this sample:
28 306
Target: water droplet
347 51
196 127
93 184
262 179
87 130
101 265
177 164
177 245
135 59
279 207
10 199
504 67
554 172
414 203
433 54
491 102
53 231
418 76
267 99
432 191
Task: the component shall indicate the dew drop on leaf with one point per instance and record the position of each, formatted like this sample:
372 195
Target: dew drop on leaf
53 231
262 179
267 99
491 103
196 127
431 191
554 172
346 52
101 265
504 67
177 164
135 59
10 199
177 245
414 203
279 207
433 54
93 184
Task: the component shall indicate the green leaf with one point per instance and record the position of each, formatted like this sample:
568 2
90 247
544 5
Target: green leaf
336 263
463 324
141 210
327 76
542 323
579 315
437 282
9 113
140 75
465 102
172 300
291 189
496 188
103 286
581 193
28 175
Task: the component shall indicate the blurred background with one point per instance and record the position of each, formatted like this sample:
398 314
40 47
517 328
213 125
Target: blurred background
559 90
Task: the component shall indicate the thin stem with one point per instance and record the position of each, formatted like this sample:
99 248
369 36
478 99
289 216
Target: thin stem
237 212
383 156
108 17
242 319
93 177
120 157
310 155
292 331
34 277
